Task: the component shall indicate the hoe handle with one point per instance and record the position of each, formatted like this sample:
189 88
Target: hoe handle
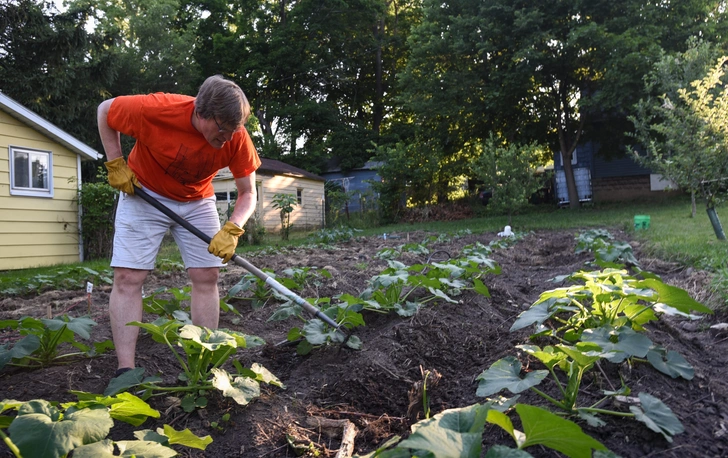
270 281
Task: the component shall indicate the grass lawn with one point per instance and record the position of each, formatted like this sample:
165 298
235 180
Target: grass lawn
672 235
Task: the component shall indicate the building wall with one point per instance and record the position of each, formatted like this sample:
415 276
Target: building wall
306 216
610 189
37 231
357 182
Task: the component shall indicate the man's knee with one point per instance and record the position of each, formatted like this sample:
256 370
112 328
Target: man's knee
204 277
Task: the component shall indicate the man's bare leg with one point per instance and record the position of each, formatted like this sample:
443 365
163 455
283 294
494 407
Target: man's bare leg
205 296
125 305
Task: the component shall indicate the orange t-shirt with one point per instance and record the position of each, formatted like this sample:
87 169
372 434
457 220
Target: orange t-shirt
170 156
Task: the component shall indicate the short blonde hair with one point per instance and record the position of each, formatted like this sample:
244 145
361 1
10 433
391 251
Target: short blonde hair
223 100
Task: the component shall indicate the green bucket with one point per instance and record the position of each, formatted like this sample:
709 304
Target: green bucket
641 222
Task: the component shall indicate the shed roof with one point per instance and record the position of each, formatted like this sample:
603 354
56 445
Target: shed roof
274 167
26 116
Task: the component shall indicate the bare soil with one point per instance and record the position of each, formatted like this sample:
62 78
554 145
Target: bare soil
371 387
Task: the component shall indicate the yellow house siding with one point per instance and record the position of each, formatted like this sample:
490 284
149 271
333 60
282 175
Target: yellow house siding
307 216
37 231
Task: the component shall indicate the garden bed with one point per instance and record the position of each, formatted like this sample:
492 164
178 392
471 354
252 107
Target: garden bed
371 387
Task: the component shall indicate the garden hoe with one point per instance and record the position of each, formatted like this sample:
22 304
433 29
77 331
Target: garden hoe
270 281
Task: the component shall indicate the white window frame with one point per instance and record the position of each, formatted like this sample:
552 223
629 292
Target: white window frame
30 191
299 196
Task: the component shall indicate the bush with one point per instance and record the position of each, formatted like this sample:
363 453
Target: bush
97 203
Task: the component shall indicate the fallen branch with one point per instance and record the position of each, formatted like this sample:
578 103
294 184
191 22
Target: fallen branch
346 449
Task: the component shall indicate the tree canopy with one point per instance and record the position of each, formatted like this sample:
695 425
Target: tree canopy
416 82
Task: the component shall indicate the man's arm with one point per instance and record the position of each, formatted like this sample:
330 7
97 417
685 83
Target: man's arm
247 200
110 138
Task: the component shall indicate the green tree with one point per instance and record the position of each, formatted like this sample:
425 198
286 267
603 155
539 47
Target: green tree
285 203
557 72
671 155
509 171
318 74
51 64
687 140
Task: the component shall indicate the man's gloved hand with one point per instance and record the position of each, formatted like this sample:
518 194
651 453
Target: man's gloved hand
225 241
120 175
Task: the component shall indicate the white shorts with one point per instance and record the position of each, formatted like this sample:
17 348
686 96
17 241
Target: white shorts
140 228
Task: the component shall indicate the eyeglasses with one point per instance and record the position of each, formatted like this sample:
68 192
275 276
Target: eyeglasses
220 129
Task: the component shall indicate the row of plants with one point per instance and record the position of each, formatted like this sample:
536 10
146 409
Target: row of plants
83 427
399 288
598 320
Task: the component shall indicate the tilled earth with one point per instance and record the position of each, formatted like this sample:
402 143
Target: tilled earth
371 387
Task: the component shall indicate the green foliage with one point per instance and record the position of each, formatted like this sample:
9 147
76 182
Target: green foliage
458 433
173 303
35 281
54 65
509 171
601 319
333 235
254 231
203 352
253 289
285 204
96 201
43 338
607 253
41 429
684 128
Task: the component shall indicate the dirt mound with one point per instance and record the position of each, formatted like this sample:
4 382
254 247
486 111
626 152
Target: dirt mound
376 388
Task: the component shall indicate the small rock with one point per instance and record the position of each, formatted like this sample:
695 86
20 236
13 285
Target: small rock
689 327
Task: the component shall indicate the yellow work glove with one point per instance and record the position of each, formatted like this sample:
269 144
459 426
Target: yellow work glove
120 175
225 241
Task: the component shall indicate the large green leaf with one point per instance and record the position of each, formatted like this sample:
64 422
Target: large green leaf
124 407
629 343
674 296
670 362
24 347
657 416
138 449
161 329
127 380
541 311
501 451
545 428
210 339
80 326
242 390
186 438
505 373
548 356
452 433
39 432
265 376
131 409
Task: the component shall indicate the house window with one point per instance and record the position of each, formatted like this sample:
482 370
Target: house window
31 172
299 196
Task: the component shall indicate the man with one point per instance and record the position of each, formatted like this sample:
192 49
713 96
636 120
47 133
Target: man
181 144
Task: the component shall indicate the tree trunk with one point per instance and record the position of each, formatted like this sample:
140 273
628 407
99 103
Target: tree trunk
570 181
693 205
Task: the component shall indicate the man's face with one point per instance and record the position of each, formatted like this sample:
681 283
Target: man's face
215 133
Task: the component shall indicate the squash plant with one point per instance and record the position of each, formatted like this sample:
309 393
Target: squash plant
459 432
43 338
601 318
610 308
203 352
43 429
